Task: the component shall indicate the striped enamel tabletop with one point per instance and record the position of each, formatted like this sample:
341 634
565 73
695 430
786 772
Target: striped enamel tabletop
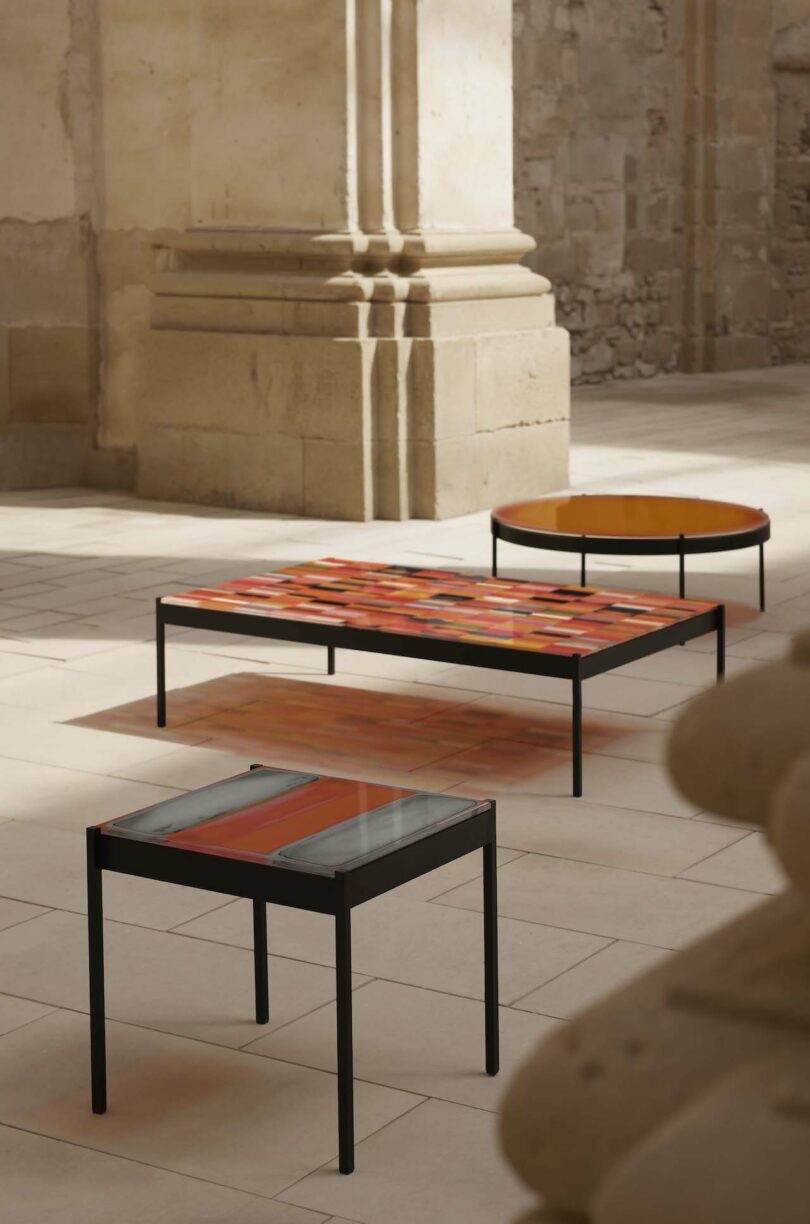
513 615
296 820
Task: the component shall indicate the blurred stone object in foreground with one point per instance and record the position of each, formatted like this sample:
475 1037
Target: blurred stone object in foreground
686 1095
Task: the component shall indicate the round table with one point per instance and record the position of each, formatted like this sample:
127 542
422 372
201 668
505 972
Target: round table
632 524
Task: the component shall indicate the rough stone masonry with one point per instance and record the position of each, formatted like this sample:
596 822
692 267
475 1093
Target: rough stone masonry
663 166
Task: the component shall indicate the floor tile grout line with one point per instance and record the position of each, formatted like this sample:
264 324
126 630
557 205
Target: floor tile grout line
45 910
105 1151
377 1131
637 871
282 956
659 875
245 1049
427 1096
52 1007
147 1028
134 926
177 928
577 964
745 835
579 930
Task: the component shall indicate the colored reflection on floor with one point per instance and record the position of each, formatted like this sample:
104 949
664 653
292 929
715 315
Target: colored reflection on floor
354 729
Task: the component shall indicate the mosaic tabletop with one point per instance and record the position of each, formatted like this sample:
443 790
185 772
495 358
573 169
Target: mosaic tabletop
514 615
293 819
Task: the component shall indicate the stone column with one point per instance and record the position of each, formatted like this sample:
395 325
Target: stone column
342 326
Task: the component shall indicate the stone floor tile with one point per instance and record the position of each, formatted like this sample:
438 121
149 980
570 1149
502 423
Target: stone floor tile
14 1012
611 692
15 665
413 942
69 798
749 863
92 555
28 735
27 620
52 1182
417 1040
679 666
591 979
490 768
189 768
735 636
362 663
440 1162
618 783
160 981
605 901
55 689
612 836
48 867
650 746
250 1123
762 646
433 883
13 913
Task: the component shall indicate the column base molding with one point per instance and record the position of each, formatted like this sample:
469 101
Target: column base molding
351 375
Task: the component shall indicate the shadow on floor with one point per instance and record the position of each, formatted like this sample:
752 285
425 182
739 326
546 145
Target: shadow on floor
334 727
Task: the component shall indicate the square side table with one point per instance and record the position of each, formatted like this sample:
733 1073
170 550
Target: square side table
297 839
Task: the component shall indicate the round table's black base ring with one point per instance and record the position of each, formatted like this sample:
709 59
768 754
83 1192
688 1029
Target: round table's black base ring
636 546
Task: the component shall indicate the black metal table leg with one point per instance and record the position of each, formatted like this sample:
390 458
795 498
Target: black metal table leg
582 563
95 930
345 1056
576 729
721 642
260 962
160 645
330 652
762 577
492 1041
681 568
494 556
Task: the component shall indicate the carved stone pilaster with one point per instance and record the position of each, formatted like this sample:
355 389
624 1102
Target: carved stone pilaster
351 286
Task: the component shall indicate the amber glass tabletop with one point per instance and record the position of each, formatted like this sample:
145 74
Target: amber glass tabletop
634 524
631 516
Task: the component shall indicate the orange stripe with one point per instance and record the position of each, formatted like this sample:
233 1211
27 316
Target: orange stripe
269 826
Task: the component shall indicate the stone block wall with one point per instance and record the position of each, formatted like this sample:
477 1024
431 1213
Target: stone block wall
48 309
50 352
599 175
661 166
662 163
791 238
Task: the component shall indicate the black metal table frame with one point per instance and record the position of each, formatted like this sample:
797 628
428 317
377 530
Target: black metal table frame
336 895
680 546
576 668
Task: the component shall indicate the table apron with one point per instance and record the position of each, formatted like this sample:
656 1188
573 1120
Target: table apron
642 546
305 890
341 637
419 857
218 873
439 650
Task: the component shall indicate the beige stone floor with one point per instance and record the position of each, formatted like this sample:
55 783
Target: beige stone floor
211 1120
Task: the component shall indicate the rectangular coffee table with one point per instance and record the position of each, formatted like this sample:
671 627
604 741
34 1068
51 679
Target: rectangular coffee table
537 628
291 838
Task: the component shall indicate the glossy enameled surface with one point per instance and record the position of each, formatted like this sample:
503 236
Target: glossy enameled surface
634 516
298 820
531 616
